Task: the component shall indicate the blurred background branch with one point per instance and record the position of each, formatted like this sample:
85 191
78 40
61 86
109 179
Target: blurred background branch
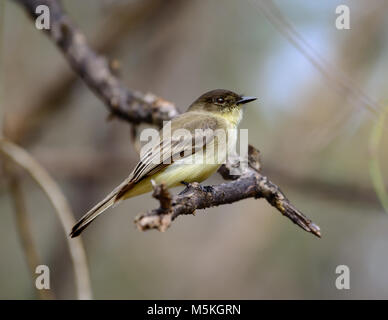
15 188
338 80
25 234
62 208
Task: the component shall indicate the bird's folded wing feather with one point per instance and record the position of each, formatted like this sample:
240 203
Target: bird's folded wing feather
167 150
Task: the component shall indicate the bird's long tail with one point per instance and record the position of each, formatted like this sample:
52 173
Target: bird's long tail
111 199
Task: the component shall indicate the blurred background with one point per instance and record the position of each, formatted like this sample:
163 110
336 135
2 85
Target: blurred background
312 123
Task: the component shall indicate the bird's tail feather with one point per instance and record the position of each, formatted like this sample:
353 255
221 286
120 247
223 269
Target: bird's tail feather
91 215
111 199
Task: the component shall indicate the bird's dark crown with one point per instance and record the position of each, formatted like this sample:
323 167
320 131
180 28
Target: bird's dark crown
220 100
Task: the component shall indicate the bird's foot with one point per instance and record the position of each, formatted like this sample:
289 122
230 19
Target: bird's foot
186 184
198 186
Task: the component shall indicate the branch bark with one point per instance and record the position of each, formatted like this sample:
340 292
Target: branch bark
24 126
250 184
94 69
135 107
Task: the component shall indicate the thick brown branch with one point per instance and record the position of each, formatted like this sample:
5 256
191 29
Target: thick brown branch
251 184
95 70
25 125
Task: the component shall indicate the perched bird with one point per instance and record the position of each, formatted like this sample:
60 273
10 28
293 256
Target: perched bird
215 111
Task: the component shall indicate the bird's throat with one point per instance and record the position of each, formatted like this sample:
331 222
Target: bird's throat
233 117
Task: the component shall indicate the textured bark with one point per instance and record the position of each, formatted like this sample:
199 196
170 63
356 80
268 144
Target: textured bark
94 69
250 184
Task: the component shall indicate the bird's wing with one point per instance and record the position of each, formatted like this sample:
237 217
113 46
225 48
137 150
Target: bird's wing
166 151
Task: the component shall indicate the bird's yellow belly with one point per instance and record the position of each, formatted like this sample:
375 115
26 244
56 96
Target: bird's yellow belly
172 177
195 168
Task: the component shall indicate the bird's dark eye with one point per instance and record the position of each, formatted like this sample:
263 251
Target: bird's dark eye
220 100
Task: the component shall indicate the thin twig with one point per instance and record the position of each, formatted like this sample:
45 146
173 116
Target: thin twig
24 231
62 208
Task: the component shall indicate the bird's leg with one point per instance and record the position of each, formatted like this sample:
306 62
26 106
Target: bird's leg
197 185
186 184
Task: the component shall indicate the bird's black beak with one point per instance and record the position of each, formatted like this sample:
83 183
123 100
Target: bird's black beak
244 100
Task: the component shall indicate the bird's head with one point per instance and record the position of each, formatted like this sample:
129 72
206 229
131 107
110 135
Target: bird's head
220 101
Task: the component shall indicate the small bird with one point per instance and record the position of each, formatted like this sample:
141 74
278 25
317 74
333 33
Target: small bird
215 110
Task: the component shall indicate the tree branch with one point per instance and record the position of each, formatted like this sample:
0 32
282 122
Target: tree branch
135 107
94 69
62 208
25 125
25 234
250 184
